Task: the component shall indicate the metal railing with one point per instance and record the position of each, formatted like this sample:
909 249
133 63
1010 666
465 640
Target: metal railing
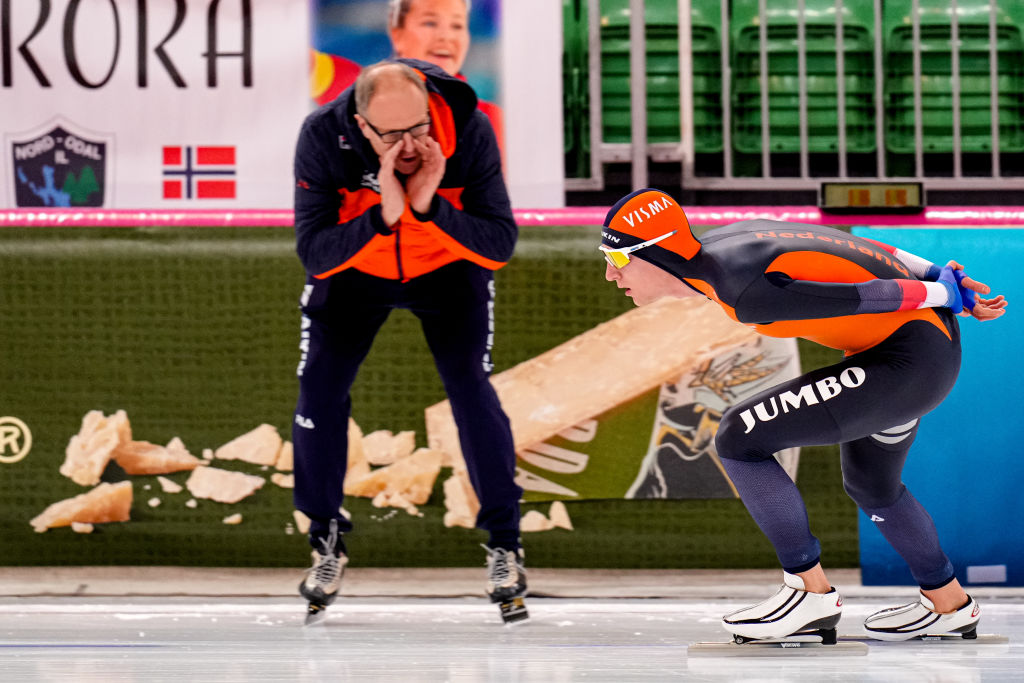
639 152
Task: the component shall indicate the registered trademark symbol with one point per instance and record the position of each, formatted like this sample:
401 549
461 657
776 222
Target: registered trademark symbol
15 440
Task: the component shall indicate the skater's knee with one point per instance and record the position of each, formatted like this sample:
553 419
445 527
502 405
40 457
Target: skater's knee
734 442
873 497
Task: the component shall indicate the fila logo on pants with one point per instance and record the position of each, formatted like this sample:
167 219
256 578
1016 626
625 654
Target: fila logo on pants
827 388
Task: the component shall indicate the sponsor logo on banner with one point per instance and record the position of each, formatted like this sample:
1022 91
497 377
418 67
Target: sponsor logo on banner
199 172
58 166
660 444
54 37
681 460
151 73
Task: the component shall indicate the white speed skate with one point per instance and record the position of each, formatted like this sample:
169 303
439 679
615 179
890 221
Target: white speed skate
919 619
790 612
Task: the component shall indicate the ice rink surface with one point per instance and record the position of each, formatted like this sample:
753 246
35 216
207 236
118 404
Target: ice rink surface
164 638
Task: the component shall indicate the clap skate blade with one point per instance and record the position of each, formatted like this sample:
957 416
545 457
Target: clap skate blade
971 637
799 643
827 635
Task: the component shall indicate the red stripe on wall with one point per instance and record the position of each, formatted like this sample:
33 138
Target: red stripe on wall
215 156
215 189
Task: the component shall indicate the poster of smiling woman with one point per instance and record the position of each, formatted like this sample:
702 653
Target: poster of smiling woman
460 36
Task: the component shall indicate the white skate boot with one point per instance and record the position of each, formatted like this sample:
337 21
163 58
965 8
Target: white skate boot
792 611
920 619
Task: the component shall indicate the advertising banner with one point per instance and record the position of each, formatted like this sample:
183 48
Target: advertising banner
965 465
351 34
160 363
510 52
661 445
147 104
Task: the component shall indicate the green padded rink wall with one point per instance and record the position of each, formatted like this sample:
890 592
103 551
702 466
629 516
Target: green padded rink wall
194 332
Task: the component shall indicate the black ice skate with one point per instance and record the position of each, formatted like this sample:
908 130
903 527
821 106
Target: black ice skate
506 583
323 579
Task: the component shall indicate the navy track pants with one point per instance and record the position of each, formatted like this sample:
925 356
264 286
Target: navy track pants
340 318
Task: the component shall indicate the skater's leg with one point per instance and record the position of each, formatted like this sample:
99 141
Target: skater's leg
872 469
949 598
815 580
338 327
774 502
895 382
456 309
455 306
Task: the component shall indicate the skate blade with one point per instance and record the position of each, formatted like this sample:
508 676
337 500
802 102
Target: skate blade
513 611
777 648
315 614
955 638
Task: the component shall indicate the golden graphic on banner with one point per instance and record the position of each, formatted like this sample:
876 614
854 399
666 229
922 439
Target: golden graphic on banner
15 440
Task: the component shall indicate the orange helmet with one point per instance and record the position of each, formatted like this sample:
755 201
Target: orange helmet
646 215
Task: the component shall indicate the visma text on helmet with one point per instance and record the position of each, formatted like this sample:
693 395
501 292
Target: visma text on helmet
827 388
638 215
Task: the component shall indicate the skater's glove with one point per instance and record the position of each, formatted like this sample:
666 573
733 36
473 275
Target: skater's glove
967 295
949 280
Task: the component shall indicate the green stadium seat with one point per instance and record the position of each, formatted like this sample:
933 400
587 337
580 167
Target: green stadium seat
661 20
784 82
937 75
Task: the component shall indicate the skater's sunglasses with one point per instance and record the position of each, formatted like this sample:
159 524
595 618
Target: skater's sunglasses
618 258
390 137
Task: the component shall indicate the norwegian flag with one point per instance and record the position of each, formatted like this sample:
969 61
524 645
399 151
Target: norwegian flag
200 172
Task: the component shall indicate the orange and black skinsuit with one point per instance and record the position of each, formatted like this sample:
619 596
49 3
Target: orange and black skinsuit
439 265
848 293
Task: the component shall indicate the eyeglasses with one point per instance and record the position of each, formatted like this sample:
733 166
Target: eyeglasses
618 258
392 136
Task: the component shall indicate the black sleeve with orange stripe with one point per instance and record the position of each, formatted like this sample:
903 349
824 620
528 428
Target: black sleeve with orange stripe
484 230
321 242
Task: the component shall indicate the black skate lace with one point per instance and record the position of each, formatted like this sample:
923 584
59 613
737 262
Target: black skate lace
500 569
326 569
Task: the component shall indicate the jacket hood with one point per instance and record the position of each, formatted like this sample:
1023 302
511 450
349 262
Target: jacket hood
452 103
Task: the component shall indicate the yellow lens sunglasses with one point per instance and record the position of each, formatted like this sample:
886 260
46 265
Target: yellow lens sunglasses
618 258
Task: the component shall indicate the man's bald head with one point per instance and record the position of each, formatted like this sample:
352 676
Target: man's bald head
385 76
392 107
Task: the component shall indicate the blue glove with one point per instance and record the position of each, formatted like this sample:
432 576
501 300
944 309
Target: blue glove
967 295
948 279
